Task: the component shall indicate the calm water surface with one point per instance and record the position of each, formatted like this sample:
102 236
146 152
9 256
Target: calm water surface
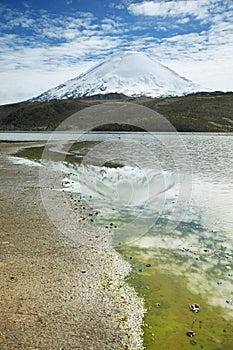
173 206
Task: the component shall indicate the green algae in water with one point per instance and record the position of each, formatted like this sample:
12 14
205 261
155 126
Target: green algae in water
76 153
169 318
178 277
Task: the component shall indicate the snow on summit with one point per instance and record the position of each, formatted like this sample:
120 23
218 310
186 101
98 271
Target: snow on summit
133 74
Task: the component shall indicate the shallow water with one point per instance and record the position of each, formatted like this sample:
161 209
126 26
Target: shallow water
171 206
168 301
198 170
46 136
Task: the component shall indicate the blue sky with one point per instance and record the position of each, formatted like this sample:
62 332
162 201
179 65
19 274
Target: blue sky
44 43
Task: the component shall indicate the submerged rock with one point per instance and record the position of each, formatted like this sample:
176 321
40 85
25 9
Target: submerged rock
195 308
190 334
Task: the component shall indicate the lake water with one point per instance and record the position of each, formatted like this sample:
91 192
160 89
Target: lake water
171 205
45 136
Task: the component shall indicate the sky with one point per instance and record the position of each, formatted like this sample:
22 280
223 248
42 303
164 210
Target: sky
44 43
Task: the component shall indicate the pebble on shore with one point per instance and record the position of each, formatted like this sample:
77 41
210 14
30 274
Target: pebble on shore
131 306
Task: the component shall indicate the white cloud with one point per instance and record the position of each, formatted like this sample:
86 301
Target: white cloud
30 65
183 20
168 9
77 38
214 74
48 57
116 6
23 84
199 9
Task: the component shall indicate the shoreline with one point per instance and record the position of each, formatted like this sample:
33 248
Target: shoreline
56 293
113 280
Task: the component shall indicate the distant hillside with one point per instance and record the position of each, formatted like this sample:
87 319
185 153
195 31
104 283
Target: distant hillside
202 112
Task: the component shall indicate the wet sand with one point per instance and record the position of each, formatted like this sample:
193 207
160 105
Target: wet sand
54 293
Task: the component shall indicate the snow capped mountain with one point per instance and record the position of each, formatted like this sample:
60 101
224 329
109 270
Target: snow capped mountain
130 73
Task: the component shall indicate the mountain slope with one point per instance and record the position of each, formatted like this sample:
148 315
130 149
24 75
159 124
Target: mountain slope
133 74
205 112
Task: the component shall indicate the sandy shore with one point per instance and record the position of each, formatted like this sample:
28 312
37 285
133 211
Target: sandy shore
54 293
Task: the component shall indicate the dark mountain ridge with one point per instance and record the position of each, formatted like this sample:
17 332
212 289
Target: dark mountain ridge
199 112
